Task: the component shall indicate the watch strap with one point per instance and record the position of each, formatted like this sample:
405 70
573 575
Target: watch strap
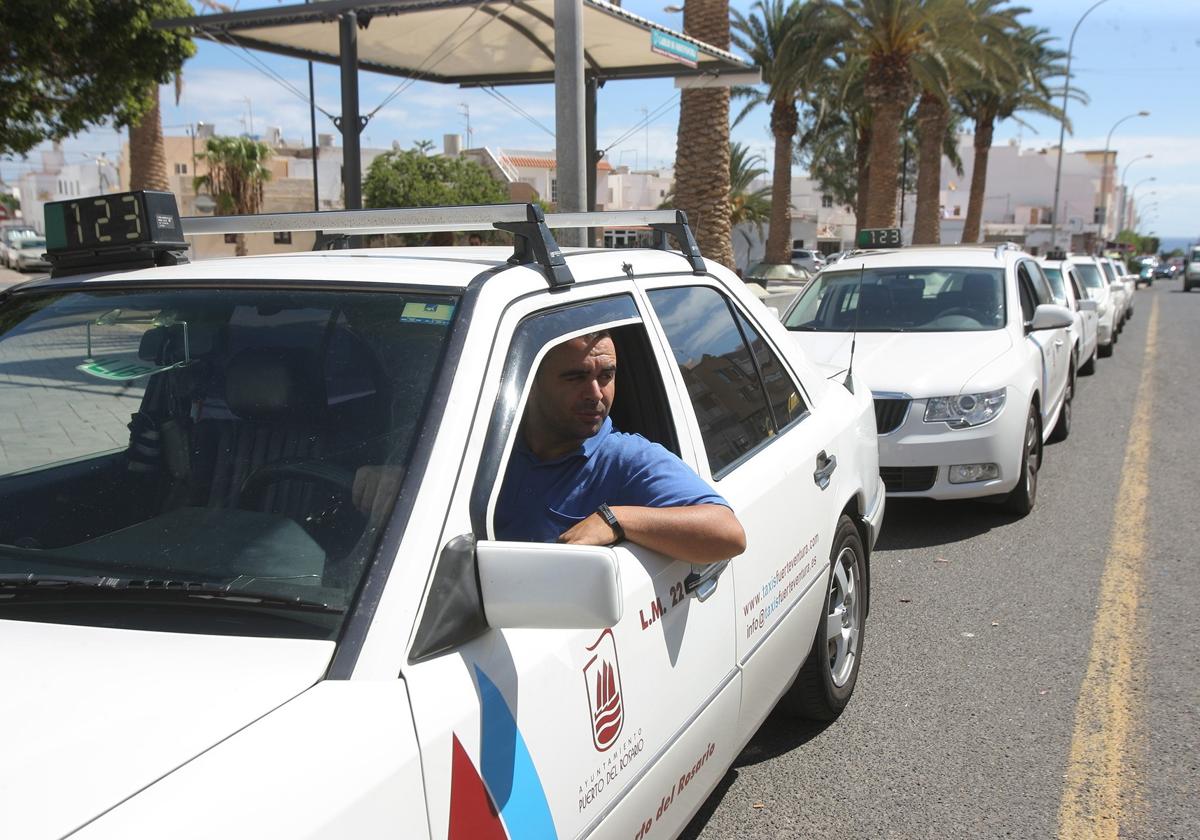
611 518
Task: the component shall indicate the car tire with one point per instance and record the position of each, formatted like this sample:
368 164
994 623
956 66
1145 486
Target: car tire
1021 500
1089 367
1103 351
826 679
1062 429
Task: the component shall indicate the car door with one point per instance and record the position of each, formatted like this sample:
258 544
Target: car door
770 453
1053 345
1087 315
539 733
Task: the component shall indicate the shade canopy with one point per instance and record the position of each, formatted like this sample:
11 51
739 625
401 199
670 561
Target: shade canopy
468 42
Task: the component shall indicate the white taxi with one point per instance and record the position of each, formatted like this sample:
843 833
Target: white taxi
1096 286
1068 292
209 631
967 354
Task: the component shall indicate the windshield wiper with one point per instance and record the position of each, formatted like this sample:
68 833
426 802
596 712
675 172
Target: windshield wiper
13 584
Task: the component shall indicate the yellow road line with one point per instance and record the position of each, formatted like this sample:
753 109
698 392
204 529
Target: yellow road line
1099 774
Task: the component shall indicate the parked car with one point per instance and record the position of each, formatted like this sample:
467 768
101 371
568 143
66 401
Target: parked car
1122 292
1065 288
29 253
968 358
11 234
1191 268
763 273
220 612
1163 271
1096 286
811 261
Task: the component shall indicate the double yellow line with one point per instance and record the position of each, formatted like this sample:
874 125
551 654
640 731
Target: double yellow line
1098 774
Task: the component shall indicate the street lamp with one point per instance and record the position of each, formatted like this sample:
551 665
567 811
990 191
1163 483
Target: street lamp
1124 172
1104 185
1062 125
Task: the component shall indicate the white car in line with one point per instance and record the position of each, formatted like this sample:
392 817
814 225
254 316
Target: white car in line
1096 286
210 607
967 354
1117 273
1064 285
1122 295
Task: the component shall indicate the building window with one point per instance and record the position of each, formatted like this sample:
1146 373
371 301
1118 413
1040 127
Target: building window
554 191
1098 215
826 201
231 239
181 169
283 237
957 210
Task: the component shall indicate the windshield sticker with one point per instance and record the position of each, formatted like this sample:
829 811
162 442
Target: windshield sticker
427 313
121 368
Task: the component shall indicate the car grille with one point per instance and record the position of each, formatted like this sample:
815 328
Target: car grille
889 414
908 479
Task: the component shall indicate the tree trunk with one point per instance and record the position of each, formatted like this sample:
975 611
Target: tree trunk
985 123
884 160
784 122
702 145
933 117
147 157
862 158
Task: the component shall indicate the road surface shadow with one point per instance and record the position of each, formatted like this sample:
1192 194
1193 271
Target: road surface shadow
921 523
779 733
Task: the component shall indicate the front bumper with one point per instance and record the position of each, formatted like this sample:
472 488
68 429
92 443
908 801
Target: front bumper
917 444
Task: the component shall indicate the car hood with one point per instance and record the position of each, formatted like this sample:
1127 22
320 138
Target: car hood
97 714
918 364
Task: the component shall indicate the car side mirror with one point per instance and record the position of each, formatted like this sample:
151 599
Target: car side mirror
549 586
1088 305
1051 316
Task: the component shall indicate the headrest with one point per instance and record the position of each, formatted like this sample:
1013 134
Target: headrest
979 286
875 296
271 383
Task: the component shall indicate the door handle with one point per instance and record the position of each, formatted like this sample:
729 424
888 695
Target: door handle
702 584
1058 342
826 464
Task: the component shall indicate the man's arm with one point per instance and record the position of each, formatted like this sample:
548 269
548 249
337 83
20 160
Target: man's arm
693 533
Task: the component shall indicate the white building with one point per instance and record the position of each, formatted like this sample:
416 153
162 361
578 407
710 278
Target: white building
57 180
818 224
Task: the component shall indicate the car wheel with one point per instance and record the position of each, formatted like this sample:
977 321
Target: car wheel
1022 498
1104 350
1089 367
1062 429
826 680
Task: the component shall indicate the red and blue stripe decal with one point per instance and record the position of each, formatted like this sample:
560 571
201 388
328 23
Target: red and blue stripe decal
504 798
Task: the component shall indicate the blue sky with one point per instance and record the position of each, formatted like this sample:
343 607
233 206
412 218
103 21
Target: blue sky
1129 55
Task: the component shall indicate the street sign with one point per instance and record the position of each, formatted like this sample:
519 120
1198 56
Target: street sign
672 47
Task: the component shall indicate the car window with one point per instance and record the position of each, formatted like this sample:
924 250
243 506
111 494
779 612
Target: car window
1108 271
1075 290
1027 295
212 436
1037 281
1055 278
901 299
782 394
1089 275
719 370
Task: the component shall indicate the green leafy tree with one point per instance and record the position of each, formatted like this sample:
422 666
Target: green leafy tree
69 65
747 203
237 171
790 44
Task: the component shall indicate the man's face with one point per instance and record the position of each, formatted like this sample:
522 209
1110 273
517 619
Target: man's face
573 390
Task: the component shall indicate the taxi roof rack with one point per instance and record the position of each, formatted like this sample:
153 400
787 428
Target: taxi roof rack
530 226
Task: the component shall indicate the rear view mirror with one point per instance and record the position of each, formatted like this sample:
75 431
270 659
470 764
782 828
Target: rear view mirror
545 585
1088 305
1050 316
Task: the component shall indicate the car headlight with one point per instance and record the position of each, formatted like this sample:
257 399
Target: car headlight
965 410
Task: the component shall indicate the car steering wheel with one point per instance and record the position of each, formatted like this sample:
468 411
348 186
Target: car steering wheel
336 476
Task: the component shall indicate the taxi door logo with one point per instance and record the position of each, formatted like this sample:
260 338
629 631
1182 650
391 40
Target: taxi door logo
602 677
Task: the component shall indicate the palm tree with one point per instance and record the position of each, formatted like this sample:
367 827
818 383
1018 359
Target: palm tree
147 157
790 45
1024 89
237 170
747 204
702 144
897 38
971 44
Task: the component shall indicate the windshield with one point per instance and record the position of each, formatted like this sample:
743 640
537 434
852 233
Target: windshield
215 438
1054 275
1090 275
31 242
1196 255
1109 272
937 299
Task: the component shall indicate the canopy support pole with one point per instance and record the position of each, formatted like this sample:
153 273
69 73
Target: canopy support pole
591 156
569 107
350 123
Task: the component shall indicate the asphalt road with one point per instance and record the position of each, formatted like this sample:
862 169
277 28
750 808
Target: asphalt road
968 719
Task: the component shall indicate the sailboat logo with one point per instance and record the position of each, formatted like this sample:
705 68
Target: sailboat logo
602 677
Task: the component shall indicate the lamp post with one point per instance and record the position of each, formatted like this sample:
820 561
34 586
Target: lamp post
1133 193
1104 184
1062 126
1124 172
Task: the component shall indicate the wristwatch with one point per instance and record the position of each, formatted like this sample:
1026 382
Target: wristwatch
611 518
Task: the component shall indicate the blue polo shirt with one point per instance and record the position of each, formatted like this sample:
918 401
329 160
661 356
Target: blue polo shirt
541 499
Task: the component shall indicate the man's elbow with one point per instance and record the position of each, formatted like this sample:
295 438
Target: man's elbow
729 539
